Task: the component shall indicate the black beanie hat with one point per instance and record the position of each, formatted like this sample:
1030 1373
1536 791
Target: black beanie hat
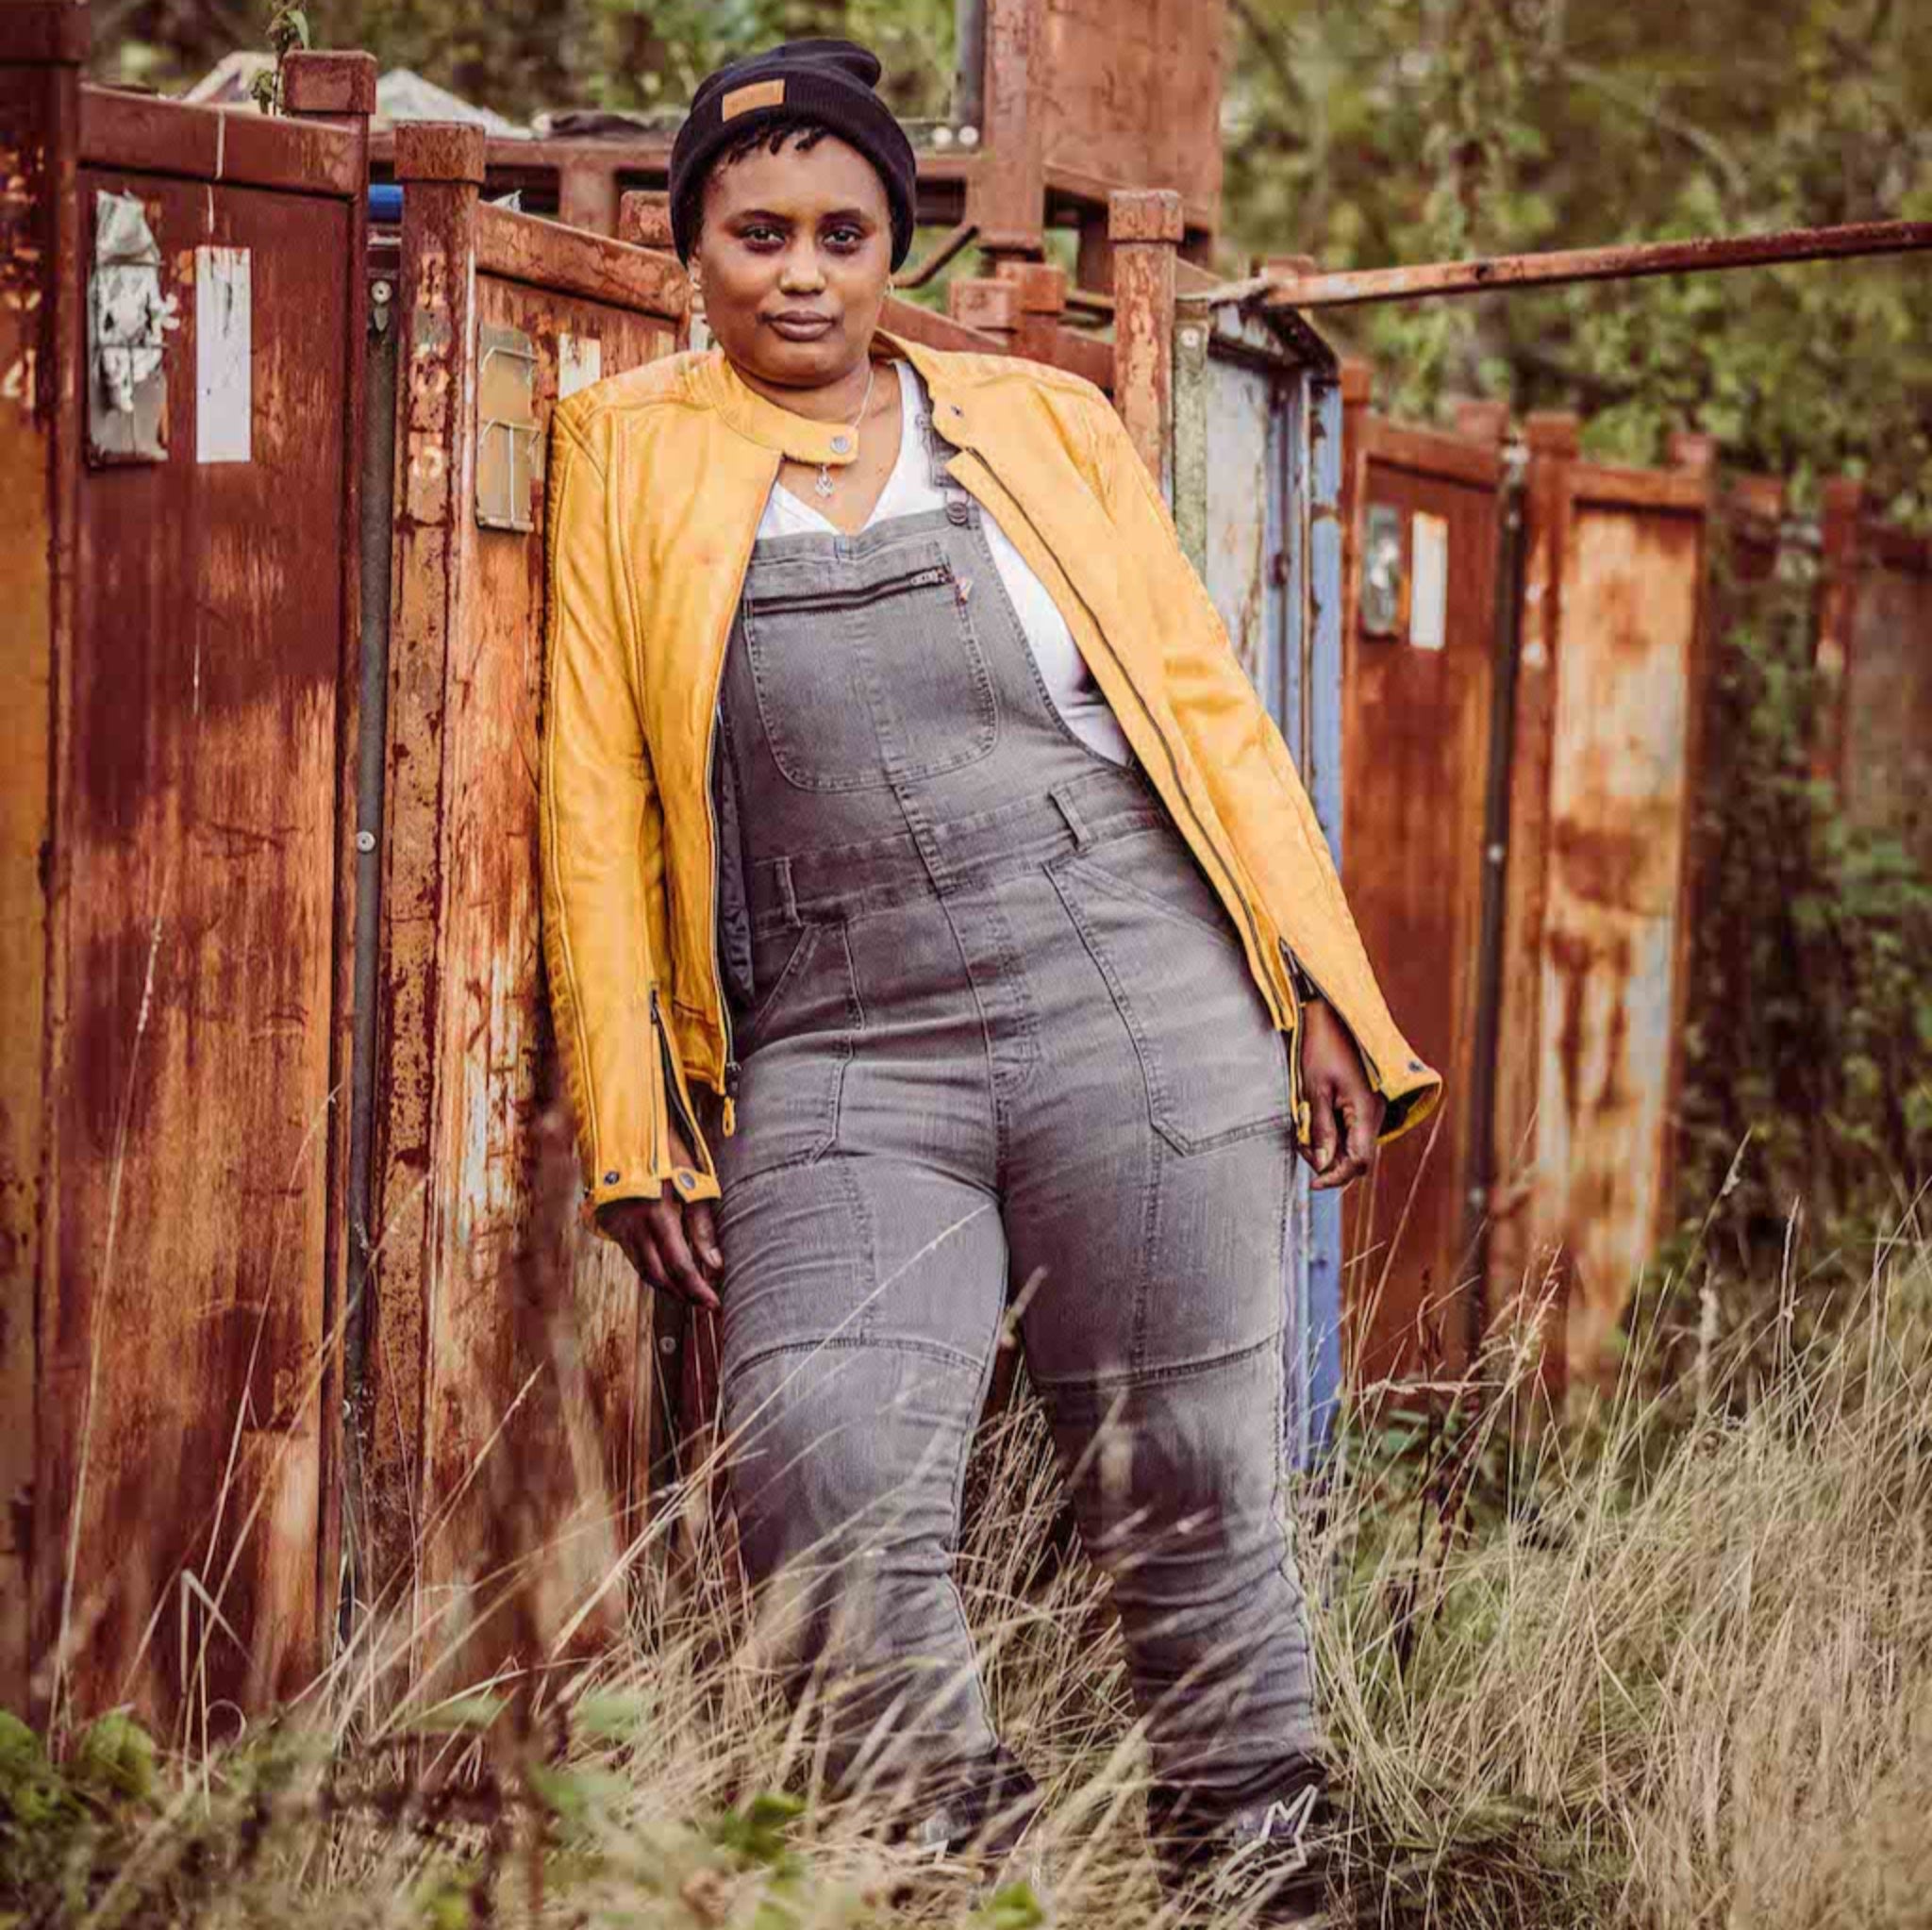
829 81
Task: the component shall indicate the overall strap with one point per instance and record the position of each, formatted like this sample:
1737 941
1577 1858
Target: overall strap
960 508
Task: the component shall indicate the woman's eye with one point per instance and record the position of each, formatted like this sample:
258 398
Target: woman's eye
844 240
761 236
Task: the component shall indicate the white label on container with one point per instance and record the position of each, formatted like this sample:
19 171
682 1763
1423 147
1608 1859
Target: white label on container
579 362
1428 582
224 355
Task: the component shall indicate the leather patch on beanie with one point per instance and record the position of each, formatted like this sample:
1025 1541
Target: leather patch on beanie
760 93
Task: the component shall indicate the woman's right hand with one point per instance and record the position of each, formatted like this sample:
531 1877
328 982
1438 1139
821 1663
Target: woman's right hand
674 1246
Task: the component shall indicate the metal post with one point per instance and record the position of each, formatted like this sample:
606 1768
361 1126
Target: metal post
1145 226
340 88
1517 1261
1489 421
1007 201
969 71
442 169
1320 454
40 480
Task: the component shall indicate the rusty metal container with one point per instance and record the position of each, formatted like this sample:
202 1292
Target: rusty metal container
1597 900
178 434
1428 513
1875 645
491 317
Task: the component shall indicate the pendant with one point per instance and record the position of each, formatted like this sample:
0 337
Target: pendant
824 486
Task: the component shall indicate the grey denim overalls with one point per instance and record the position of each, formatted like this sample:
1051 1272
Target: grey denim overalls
994 1025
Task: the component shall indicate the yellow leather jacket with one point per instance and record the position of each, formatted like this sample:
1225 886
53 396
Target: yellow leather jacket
657 481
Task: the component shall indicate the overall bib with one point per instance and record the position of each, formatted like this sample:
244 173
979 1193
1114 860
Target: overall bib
995 1029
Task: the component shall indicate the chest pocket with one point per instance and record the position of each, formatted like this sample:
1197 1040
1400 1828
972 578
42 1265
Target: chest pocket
866 668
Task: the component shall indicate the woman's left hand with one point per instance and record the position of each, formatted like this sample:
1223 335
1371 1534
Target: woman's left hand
1347 1110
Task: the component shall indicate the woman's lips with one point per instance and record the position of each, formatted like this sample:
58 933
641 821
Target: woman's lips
801 327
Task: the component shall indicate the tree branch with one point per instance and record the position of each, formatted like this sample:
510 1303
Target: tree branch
1736 181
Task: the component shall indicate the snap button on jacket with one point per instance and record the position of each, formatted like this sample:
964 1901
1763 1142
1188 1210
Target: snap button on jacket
657 480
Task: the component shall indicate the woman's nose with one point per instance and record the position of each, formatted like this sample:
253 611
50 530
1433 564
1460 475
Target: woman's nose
801 272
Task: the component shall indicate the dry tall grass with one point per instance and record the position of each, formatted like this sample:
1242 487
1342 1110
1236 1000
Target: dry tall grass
1676 1672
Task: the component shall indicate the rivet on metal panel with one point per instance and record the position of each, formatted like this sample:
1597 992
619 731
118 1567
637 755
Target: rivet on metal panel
507 445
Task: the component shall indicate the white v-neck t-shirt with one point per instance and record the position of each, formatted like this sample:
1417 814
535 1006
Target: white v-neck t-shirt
909 490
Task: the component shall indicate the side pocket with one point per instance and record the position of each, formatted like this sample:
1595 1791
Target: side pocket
794 1055
770 994
1210 1051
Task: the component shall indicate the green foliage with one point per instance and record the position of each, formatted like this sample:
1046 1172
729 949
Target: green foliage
1013 1906
1810 1005
116 1758
288 30
63 1826
759 1832
1414 130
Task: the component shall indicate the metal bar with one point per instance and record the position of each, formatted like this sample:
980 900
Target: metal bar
1320 452
946 250
968 74
1482 1085
1091 302
378 520
1627 262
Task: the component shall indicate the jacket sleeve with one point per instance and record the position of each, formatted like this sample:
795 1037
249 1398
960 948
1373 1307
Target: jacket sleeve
597 811
1252 782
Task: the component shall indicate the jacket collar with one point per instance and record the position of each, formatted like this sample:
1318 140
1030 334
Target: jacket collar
719 386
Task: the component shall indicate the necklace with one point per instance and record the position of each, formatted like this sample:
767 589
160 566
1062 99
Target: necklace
824 486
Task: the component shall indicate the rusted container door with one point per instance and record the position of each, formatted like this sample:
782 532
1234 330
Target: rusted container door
178 1507
498 315
1256 483
1606 745
1420 698
1876 642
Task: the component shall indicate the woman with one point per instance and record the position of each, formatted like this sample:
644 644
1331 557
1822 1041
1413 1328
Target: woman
903 797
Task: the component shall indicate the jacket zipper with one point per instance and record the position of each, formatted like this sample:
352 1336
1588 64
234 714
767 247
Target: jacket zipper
729 1122
1173 765
1294 965
1296 1100
673 1100
730 1089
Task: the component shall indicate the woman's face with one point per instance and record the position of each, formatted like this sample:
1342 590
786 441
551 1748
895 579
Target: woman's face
793 257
